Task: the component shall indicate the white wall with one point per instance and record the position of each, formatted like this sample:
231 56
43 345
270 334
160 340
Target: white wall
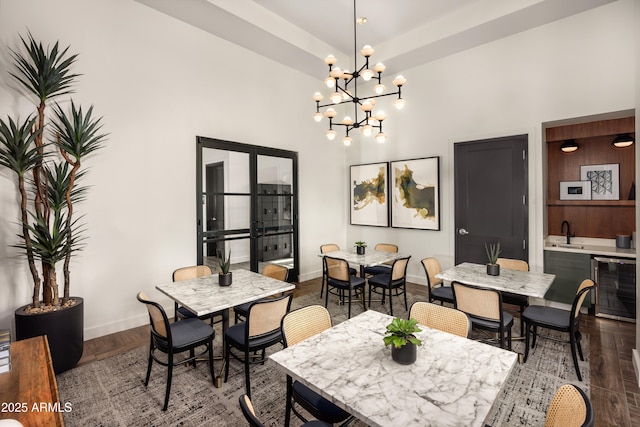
159 83
575 67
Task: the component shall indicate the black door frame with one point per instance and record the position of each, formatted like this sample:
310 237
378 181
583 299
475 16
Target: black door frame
254 151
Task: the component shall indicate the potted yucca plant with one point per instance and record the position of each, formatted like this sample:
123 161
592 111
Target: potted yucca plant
46 155
225 276
493 252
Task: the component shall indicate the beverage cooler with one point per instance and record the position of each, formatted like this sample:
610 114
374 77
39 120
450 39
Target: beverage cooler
615 292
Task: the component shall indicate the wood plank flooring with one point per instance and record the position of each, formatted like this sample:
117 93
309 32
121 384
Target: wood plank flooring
615 394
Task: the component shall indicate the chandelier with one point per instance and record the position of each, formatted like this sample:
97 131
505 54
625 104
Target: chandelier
345 90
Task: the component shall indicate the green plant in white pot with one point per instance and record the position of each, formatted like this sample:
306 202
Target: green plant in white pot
46 155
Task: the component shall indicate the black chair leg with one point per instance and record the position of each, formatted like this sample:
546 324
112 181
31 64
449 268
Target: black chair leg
287 416
404 291
369 295
146 381
535 335
227 359
526 342
169 375
575 356
578 340
390 301
247 381
212 371
349 311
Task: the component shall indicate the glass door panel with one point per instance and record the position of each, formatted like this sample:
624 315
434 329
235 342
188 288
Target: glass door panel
226 208
275 211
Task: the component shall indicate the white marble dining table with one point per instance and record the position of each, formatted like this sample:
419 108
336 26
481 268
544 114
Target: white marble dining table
528 283
204 295
368 259
454 381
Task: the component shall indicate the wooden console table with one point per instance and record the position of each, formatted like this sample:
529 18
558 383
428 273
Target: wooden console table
29 393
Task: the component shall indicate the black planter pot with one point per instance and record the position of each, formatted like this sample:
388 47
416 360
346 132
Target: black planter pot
64 330
224 279
493 269
360 250
406 354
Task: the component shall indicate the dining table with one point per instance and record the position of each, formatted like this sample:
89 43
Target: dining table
454 381
368 259
203 295
527 283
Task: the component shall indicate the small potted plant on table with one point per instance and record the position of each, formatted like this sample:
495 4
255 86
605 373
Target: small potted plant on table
404 344
493 252
225 277
360 245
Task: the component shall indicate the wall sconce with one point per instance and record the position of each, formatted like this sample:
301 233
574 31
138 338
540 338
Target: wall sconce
622 141
569 146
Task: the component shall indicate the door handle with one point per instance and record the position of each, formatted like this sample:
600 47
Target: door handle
462 232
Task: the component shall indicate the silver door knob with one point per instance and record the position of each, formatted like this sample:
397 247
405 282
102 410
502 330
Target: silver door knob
463 232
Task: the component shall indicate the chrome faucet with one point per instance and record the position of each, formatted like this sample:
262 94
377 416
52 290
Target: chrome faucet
569 235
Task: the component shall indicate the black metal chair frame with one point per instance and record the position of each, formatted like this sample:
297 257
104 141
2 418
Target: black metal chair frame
180 312
240 311
387 283
491 325
342 285
437 296
572 328
252 344
166 345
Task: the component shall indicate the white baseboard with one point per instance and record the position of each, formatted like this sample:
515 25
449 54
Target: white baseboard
635 356
119 326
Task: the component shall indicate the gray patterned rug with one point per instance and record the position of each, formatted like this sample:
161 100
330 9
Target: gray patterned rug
111 392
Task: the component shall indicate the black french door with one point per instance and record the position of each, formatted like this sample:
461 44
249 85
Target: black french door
247 205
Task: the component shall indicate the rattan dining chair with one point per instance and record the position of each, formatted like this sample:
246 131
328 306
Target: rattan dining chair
299 325
386 283
484 308
570 407
259 332
382 268
338 277
250 415
522 301
435 287
557 319
175 338
274 271
187 273
325 249
440 317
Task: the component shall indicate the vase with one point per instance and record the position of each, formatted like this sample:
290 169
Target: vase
493 269
224 279
404 355
64 329
360 250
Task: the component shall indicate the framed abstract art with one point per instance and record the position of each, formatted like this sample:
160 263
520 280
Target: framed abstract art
369 194
415 193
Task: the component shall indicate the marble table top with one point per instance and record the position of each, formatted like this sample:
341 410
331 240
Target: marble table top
203 295
527 283
370 257
454 381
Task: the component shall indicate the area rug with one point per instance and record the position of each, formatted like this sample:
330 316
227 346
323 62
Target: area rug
111 392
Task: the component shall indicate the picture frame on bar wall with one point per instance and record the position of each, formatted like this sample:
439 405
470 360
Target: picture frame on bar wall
369 194
605 180
415 193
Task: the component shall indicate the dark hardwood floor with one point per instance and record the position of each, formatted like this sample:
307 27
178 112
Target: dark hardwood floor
615 394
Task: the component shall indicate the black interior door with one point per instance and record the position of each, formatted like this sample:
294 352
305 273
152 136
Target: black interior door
215 205
491 198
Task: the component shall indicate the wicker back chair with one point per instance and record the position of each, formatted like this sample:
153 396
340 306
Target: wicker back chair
521 301
570 407
276 271
175 338
439 317
340 278
381 268
437 291
484 308
538 316
385 283
299 325
188 273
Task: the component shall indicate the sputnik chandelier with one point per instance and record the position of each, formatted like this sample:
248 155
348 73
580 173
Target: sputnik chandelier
345 85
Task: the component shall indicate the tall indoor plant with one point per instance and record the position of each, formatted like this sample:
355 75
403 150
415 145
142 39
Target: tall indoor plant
46 155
